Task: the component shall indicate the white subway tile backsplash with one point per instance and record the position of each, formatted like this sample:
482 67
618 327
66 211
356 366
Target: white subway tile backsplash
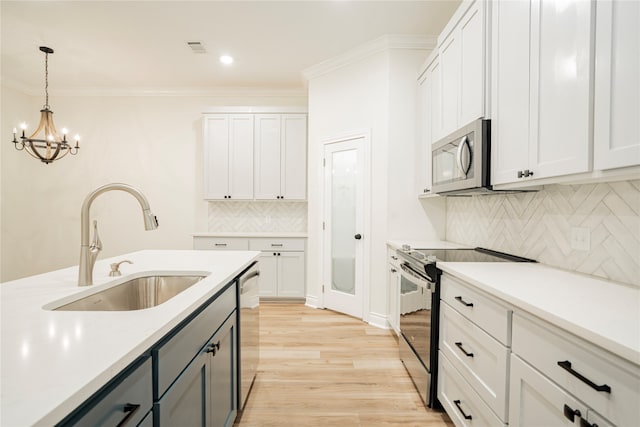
538 225
257 216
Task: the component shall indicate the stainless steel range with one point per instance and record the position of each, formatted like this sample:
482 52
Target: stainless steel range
420 310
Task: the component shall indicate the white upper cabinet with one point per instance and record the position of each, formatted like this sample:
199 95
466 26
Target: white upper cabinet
616 134
462 52
280 162
228 156
425 133
541 89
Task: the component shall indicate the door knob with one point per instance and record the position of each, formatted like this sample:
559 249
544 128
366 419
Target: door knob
358 236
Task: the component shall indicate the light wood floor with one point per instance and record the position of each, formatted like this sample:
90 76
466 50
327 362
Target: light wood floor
321 368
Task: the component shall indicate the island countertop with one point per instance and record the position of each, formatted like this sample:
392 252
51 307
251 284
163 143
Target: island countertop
52 361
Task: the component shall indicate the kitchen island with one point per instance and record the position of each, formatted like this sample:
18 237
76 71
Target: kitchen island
53 361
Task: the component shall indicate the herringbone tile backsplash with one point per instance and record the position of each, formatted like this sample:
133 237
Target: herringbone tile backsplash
539 226
258 216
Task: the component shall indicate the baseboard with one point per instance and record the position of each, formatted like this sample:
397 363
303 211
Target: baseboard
312 302
379 321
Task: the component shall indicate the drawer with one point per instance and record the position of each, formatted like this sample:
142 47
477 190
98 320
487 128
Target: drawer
274 244
174 355
106 409
480 359
481 309
564 358
460 401
221 243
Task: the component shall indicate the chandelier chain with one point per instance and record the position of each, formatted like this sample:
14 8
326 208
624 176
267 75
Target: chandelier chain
46 81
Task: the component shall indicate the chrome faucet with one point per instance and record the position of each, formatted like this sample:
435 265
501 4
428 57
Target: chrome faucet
89 252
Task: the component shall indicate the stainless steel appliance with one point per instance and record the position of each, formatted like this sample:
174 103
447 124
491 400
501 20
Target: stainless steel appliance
249 331
460 161
420 310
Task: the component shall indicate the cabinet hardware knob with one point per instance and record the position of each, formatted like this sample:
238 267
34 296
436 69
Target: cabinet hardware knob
571 413
585 423
393 270
466 417
566 365
520 174
358 236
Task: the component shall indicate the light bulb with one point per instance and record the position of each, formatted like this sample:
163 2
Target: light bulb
226 59
50 137
65 131
77 137
23 126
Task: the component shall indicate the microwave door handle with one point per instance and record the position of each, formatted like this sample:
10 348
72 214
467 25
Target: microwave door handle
463 169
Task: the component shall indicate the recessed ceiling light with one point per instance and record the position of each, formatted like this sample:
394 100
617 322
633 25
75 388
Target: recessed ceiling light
226 59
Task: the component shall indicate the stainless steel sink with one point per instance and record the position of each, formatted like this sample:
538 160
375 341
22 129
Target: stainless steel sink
135 294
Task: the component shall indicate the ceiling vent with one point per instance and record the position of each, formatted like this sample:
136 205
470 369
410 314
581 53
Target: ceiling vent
197 47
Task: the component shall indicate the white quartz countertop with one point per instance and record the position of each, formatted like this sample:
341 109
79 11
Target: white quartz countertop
425 244
600 311
52 361
274 234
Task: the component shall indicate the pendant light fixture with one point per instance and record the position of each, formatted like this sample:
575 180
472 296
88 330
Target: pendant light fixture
50 146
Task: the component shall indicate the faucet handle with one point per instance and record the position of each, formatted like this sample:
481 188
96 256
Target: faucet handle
96 244
115 268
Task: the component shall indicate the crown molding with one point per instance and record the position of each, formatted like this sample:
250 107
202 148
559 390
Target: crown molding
227 92
365 50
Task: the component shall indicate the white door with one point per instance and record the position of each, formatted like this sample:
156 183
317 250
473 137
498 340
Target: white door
293 169
267 156
343 226
216 156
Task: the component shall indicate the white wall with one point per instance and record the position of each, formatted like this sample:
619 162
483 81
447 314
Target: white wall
375 94
151 142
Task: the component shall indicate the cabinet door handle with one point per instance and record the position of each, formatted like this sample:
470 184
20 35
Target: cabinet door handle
566 365
393 257
461 301
278 245
393 270
221 244
466 417
459 345
130 409
570 413
585 423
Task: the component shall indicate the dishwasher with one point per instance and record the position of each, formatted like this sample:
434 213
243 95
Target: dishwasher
249 331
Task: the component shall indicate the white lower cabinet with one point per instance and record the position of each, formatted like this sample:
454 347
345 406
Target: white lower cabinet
282 274
393 289
536 401
607 385
282 262
474 337
463 405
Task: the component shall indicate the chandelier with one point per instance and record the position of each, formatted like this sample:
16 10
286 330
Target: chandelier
50 146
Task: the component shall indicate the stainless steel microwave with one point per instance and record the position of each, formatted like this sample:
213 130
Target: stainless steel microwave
460 161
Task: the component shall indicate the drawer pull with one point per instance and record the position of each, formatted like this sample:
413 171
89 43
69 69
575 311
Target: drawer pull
466 417
585 423
467 304
459 345
570 413
130 409
566 365
276 245
221 244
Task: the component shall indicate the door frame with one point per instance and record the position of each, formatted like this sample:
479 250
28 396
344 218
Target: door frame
365 136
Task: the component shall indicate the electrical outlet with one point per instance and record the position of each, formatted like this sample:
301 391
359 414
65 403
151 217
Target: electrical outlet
580 238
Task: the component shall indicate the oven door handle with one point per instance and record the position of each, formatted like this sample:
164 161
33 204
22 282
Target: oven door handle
416 278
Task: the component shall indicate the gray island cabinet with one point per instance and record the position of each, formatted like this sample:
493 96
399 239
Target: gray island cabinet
188 378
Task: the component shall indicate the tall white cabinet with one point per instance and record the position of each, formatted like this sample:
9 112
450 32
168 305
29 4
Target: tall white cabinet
616 133
542 56
281 165
228 156
463 62
251 156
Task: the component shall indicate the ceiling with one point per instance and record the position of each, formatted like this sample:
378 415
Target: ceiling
105 45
